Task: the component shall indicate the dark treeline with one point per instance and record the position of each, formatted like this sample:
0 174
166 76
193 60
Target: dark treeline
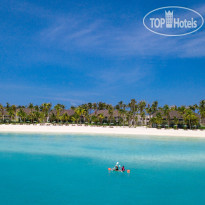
132 114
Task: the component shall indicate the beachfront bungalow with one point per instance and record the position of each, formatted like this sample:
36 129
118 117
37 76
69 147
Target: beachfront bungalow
69 112
106 115
116 117
144 121
173 114
26 110
5 116
53 114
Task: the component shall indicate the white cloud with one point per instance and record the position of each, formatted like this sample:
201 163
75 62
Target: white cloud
100 37
82 33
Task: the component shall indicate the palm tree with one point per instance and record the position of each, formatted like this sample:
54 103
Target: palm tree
90 106
154 106
22 114
95 107
85 113
166 110
58 109
36 108
120 104
100 118
129 117
149 112
2 111
11 111
101 106
122 113
142 105
182 111
110 112
153 121
7 105
94 119
63 107
159 119
36 113
46 107
65 117
52 117
73 108
190 117
193 107
142 115
80 112
73 119
127 113
202 109
176 121
13 107
133 109
31 107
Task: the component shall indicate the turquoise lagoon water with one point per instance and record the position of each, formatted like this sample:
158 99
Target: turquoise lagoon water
72 169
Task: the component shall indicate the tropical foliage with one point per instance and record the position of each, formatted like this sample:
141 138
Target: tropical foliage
131 114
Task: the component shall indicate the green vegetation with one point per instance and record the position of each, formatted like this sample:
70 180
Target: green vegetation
132 114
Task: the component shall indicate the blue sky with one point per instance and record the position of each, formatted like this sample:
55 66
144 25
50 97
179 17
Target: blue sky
72 52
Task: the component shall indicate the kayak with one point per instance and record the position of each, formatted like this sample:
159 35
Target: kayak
109 169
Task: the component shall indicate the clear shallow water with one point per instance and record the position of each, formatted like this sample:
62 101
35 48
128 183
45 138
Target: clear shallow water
72 169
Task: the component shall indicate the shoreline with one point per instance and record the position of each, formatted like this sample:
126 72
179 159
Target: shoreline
76 129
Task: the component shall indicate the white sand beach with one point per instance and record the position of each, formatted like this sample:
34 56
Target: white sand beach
99 130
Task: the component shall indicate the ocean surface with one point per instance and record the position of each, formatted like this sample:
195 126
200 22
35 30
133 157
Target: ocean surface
49 169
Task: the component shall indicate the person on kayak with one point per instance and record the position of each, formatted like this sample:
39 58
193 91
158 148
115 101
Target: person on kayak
123 168
116 168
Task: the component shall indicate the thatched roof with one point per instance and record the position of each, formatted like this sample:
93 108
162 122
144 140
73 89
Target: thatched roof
106 113
69 112
173 113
